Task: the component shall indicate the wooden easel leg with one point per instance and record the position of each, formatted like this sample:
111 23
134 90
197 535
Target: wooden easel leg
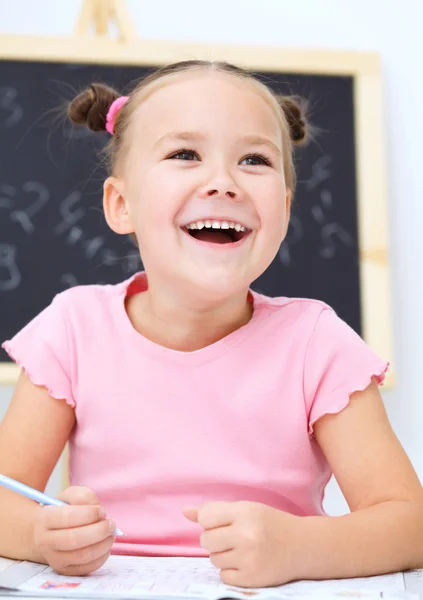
98 14
120 13
85 17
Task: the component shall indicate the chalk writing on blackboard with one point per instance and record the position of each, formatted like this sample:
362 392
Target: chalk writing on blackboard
10 276
11 112
7 195
320 171
69 216
329 232
24 216
92 246
21 205
321 205
69 280
12 197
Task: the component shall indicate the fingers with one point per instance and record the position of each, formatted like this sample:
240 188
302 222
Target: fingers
217 540
64 517
223 560
231 577
79 568
78 495
78 538
216 514
87 555
191 514
230 573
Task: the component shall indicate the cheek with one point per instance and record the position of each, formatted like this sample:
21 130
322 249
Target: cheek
171 185
272 204
154 202
273 219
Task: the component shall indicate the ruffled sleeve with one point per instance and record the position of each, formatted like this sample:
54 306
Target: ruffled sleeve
41 348
338 363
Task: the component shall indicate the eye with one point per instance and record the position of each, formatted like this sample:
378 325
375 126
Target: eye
184 154
257 159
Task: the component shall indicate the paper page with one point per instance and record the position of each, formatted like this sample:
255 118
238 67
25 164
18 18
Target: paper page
138 577
414 582
17 572
330 595
5 563
133 576
382 583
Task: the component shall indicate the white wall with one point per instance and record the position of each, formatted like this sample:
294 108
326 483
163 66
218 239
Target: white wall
389 27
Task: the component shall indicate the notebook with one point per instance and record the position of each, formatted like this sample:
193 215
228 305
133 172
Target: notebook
134 577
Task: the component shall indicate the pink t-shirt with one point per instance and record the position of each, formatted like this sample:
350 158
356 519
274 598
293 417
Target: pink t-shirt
158 429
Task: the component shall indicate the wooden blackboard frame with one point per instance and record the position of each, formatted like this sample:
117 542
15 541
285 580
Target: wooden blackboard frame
363 67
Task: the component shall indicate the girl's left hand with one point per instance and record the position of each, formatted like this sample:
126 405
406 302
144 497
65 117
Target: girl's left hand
252 544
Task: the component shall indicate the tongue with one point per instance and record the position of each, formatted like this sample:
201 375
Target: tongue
216 236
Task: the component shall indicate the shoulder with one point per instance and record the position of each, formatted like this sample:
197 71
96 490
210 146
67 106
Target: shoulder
293 313
89 300
76 311
75 324
312 325
95 292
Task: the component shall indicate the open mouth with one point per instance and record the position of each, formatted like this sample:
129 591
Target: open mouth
217 235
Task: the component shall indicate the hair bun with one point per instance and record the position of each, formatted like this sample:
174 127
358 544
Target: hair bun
91 106
294 110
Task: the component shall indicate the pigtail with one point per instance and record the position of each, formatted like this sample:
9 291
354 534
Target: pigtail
91 106
294 109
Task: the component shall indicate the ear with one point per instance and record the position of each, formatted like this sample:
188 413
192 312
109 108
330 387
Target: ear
288 202
116 209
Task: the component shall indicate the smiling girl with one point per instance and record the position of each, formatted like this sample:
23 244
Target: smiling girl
204 417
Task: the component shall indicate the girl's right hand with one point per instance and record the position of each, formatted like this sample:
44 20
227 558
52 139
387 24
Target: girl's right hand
75 539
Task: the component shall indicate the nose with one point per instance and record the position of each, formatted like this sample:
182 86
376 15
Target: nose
221 185
219 192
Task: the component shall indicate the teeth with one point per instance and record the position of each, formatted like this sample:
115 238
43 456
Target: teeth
216 225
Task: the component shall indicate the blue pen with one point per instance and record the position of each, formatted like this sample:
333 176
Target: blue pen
39 497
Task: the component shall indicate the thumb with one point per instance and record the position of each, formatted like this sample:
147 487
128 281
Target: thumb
191 513
78 495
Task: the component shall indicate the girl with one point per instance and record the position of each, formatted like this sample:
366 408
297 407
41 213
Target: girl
205 418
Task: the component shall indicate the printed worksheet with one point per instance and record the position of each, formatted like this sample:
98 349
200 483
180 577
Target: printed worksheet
186 578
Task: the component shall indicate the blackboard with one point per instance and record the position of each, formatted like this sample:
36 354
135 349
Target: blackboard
52 231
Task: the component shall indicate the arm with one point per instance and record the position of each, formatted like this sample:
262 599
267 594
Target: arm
384 531
32 437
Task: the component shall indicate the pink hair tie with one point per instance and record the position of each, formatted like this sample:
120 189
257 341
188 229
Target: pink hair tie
115 107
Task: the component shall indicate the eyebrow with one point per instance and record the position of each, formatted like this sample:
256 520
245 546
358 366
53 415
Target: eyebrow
194 136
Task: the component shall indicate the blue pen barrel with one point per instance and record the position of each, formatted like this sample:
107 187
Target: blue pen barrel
25 490
36 495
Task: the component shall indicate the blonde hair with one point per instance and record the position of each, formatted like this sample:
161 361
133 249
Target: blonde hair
91 106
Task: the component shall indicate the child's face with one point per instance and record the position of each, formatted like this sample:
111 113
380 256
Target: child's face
191 160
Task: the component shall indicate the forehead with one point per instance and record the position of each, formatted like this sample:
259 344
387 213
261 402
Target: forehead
206 100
